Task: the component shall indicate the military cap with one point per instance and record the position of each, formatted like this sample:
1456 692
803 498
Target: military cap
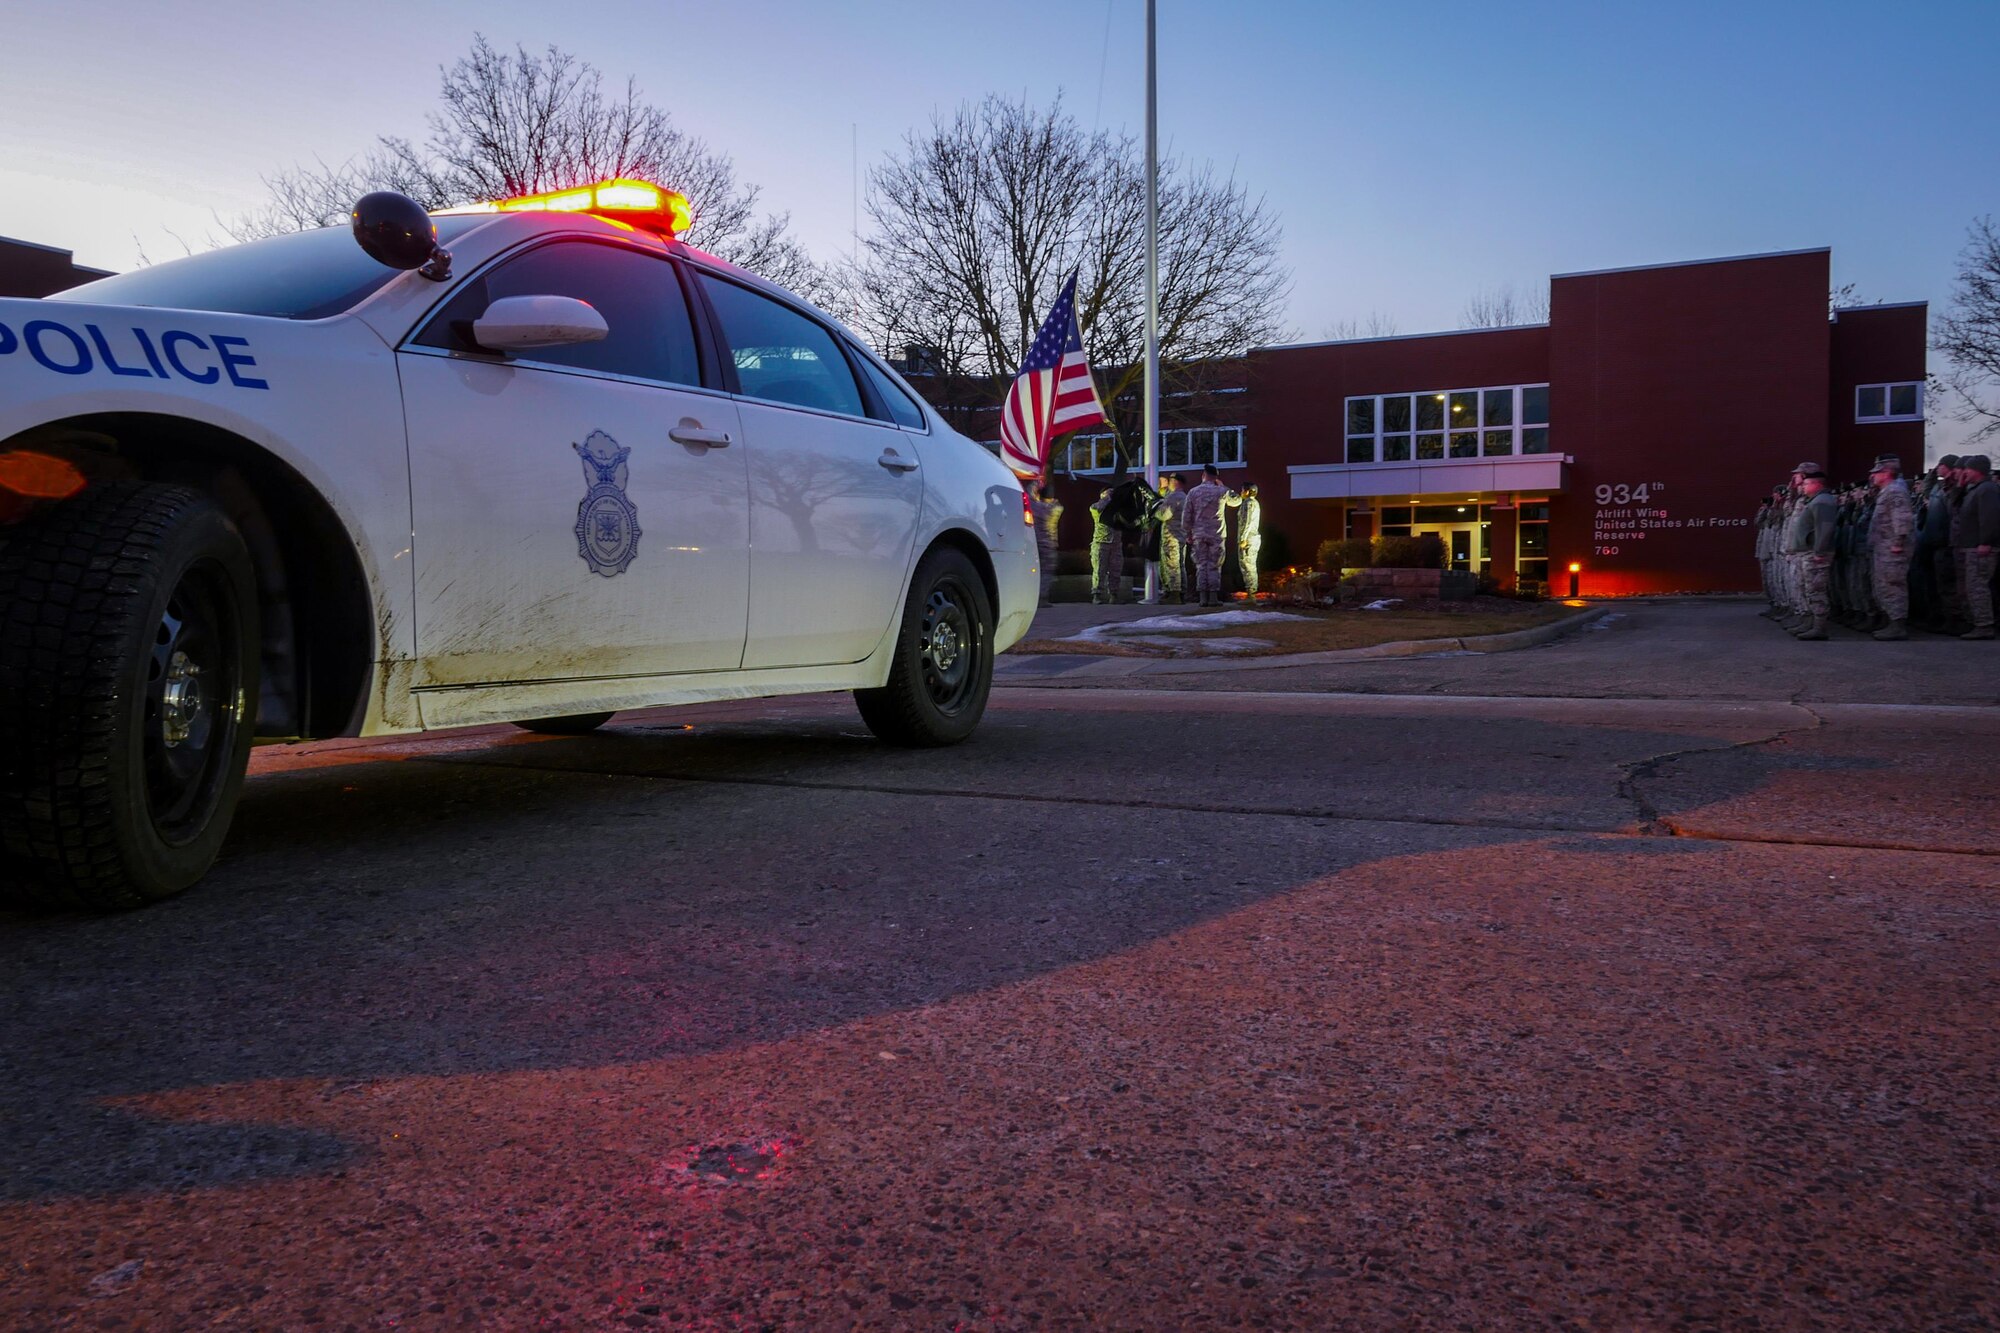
1949 460
1886 463
1978 463
1809 470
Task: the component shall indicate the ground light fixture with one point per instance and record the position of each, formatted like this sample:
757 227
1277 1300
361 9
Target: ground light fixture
1575 568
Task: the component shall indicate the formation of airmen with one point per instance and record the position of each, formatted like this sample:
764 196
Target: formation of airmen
1181 524
1879 557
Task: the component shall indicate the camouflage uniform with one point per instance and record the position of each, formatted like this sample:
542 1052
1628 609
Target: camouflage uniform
1789 560
1940 518
1249 539
1173 504
1857 599
1107 555
1811 541
1891 540
1047 512
1762 548
1202 519
1976 525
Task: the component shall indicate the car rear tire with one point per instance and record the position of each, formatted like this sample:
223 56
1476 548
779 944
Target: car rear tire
128 681
579 724
942 669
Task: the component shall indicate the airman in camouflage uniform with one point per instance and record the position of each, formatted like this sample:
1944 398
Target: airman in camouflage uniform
1249 535
1763 525
1047 512
1940 506
1107 553
1975 538
1173 560
1203 519
1891 541
1789 561
1811 540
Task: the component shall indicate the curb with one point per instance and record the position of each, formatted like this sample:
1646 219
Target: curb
1032 666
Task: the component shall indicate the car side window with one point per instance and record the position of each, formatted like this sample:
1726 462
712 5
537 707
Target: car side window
780 354
901 410
651 333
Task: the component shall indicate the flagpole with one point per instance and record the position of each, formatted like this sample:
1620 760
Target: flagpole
1151 417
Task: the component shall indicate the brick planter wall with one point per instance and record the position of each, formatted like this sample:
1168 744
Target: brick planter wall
1410 584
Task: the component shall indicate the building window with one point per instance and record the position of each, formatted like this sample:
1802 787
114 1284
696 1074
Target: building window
1889 402
1456 423
1361 430
1189 448
1531 565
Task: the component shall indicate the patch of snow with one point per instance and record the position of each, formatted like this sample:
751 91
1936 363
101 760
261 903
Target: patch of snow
1179 646
1383 604
1127 631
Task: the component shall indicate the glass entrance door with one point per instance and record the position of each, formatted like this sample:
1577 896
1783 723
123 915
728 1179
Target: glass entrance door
1464 543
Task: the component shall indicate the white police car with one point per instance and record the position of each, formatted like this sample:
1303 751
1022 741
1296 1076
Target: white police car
304 488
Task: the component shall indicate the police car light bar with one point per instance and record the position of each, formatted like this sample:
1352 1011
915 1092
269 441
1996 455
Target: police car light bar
638 202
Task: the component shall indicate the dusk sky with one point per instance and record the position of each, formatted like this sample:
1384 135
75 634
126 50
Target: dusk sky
1415 153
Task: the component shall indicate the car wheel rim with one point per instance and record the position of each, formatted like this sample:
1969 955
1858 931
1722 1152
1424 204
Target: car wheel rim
193 704
951 646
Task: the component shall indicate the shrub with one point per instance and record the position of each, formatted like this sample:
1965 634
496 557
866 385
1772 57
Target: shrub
1342 553
1425 552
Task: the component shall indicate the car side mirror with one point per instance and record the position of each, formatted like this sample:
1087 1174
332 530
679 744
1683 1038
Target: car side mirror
518 323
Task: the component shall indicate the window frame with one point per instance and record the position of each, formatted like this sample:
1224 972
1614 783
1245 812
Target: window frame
706 353
863 363
1532 512
726 356
1445 432
1888 388
1187 434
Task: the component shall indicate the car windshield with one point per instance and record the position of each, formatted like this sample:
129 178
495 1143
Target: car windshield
305 275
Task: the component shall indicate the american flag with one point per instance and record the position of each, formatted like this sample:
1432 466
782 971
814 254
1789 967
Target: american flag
1054 393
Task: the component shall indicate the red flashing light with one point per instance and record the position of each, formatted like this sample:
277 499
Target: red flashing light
37 476
1027 509
639 203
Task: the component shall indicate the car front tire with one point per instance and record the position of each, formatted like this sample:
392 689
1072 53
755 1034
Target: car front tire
128 687
942 669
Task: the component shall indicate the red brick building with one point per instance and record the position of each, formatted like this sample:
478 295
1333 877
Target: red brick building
1632 434
27 269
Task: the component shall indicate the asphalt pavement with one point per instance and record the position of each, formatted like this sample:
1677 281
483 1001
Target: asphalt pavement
1646 978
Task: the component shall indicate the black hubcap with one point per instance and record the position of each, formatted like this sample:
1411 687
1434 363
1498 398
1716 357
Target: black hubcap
951 645
193 704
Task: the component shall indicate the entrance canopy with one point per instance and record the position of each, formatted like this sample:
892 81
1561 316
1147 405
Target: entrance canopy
1539 473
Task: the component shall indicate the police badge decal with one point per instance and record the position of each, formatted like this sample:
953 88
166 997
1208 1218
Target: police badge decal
607 522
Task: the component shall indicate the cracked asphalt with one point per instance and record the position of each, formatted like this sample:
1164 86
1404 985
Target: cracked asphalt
1644 979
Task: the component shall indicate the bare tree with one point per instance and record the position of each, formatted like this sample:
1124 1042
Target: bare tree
1968 334
514 123
1504 309
1376 325
980 218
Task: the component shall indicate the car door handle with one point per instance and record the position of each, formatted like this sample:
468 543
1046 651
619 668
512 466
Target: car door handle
895 462
690 431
